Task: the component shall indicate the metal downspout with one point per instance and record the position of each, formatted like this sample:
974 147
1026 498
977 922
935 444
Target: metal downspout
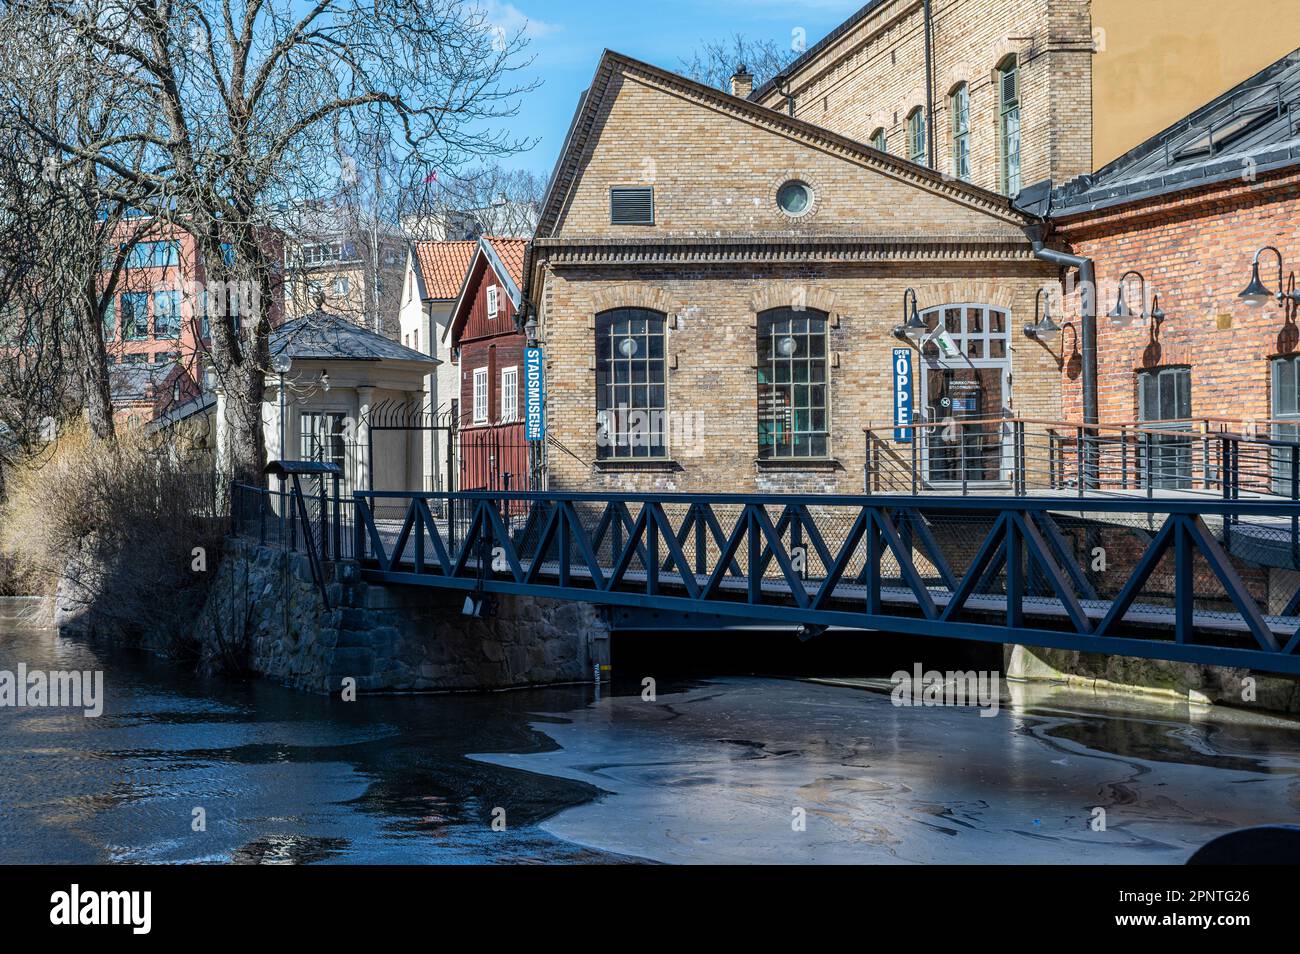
929 89
1087 330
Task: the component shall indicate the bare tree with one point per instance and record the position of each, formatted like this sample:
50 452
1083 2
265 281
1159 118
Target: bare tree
487 200
67 235
715 61
347 248
247 101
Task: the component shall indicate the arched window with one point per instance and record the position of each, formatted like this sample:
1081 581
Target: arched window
959 108
878 139
792 384
916 135
631 384
1009 124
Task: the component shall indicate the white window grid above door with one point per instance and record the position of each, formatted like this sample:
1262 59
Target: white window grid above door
982 334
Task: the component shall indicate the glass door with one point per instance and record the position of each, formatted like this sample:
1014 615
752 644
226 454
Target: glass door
1165 404
1286 420
967 445
323 437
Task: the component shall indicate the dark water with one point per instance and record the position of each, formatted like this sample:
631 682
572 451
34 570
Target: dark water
709 771
283 776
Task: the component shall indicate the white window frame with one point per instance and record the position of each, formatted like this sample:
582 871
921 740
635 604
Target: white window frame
510 394
481 395
959 104
1286 419
493 303
1010 134
916 141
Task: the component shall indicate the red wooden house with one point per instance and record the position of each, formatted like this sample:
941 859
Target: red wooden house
487 344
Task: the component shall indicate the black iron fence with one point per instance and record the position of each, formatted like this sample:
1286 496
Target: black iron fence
1022 456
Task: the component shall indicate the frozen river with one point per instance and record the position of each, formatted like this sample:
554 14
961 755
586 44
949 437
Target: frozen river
726 770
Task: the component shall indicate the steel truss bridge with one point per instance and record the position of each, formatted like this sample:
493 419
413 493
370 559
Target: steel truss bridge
1194 580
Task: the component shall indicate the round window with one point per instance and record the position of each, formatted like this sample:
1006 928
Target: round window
794 198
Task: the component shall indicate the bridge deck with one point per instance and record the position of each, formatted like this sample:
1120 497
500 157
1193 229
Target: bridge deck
1140 614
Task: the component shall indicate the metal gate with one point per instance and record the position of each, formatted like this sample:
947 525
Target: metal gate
438 423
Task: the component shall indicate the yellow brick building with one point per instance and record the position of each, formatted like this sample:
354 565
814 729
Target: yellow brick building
738 275
1025 90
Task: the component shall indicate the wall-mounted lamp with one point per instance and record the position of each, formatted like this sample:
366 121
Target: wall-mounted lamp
1043 327
914 324
1121 314
325 380
1256 294
913 327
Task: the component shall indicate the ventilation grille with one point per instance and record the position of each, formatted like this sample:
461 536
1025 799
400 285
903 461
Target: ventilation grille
632 206
1010 93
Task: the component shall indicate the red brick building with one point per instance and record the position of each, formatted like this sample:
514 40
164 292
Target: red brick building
157 325
1188 210
487 345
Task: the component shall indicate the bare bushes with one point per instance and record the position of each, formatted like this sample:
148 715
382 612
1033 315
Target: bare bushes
124 537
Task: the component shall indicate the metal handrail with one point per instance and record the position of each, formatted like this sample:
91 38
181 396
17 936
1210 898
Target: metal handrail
1057 455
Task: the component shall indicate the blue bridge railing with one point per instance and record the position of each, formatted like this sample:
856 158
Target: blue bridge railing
1193 580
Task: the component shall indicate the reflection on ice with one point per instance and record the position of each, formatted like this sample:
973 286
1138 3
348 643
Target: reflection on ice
725 773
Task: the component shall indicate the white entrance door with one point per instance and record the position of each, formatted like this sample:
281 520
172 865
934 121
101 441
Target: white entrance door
966 393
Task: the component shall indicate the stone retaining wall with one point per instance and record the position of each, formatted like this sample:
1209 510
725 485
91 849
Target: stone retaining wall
265 611
1195 683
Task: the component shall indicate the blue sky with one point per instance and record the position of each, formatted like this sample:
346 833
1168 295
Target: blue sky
567 37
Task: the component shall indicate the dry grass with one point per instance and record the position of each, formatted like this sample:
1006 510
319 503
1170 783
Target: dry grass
117 529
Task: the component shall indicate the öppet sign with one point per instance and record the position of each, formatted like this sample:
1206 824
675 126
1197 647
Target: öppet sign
902 374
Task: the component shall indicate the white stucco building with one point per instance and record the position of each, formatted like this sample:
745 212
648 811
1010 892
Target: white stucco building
435 272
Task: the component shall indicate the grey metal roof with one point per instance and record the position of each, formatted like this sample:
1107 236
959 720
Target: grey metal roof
1251 129
324 336
182 412
131 382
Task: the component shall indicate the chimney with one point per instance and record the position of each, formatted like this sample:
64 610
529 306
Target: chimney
742 82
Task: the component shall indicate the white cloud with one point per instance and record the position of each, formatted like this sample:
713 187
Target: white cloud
509 19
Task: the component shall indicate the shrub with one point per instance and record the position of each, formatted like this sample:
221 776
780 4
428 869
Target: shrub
127 538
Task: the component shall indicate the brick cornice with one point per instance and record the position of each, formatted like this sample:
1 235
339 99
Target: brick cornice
780 249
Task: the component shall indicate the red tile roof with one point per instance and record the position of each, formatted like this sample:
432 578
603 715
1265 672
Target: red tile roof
511 253
443 266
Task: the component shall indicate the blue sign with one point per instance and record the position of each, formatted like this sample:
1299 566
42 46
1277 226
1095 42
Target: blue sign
903 412
534 396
